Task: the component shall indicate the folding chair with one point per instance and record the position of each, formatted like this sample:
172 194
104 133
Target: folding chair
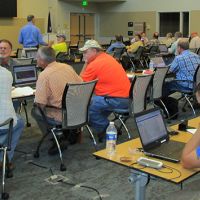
75 102
137 95
6 147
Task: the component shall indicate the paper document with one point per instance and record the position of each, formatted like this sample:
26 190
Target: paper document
22 91
191 130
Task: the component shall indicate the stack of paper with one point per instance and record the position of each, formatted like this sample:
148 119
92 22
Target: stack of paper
22 91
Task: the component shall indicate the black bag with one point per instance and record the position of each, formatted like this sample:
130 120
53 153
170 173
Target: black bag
171 105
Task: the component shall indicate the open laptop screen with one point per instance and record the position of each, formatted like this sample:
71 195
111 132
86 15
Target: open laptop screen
151 126
24 75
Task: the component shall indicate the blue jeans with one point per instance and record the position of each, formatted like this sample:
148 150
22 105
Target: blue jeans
172 86
101 107
40 120
17 131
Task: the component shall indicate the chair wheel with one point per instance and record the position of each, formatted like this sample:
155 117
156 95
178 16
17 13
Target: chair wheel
36 155
62 167
4 195
28 124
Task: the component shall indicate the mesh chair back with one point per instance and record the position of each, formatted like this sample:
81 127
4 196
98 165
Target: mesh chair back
154 49
75 102
198 51
138 92
25 61
158 80
19 53
118 52
139 53
31 52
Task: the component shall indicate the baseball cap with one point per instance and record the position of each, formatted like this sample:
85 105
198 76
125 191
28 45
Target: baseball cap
90 44
61 35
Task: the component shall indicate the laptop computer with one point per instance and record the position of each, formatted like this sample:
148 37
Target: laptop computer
25 75
163 48
158 62
154 136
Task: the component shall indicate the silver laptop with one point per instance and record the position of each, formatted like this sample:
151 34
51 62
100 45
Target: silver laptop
25 75
154 136
158 62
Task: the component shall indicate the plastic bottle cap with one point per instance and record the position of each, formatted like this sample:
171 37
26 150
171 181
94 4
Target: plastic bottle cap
112 123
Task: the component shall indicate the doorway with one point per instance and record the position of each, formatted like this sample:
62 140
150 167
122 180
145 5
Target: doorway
81 27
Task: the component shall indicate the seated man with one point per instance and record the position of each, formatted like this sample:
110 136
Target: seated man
173 48
184 66
7 111
8 62
191 152
49 89
117 44
112 88
132 49
195 41
61 45
5 55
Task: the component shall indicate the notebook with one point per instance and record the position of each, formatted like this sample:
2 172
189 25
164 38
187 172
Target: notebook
158 62
154 136
24 75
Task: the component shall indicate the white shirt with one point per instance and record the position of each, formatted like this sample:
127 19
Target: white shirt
6 104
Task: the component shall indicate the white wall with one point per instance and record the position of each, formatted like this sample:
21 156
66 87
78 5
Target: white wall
151 5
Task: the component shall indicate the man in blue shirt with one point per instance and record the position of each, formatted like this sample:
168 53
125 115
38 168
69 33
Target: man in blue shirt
30 35
117 44
184 66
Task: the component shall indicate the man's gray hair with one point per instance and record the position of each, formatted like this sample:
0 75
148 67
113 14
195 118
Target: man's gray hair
47 54
183 43
30 18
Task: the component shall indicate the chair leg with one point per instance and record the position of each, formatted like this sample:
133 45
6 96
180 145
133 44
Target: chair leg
187 99
4 195
168 116
123 124
62 166
37 154
92 136
24 103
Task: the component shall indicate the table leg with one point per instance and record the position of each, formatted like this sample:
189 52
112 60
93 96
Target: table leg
140 180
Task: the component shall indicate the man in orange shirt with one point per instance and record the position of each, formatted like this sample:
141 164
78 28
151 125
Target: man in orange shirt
112 88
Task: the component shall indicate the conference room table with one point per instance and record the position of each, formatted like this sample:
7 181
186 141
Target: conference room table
127 154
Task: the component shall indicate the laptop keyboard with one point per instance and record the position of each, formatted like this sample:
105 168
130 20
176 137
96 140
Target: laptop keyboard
170 149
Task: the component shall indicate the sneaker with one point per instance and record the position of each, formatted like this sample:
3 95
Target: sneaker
53 150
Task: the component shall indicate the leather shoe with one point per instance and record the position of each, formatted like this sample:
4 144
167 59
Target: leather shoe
53 150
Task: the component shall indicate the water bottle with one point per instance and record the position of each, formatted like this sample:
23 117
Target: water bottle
111 138
151 65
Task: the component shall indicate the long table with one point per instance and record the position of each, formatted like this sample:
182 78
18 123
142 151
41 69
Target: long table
173 172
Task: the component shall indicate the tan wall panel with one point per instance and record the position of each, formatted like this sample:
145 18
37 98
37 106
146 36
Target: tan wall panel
117 23
194 21
10 29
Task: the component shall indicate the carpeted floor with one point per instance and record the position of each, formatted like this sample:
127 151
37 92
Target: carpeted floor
83 171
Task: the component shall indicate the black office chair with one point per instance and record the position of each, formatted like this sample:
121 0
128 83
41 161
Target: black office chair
157 89
138 100
75 102
117 53
6 146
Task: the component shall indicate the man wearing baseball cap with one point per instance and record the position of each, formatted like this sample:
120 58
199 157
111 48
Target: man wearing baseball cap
61 45
112 88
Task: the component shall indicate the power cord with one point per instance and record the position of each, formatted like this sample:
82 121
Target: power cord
67 183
